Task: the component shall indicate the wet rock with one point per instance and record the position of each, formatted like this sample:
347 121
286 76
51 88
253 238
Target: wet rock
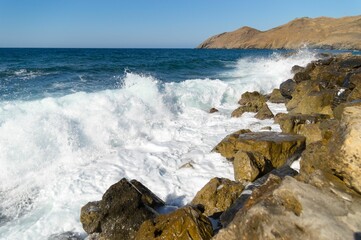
273 146
218 195
228 147
307 125
301 76
308 99
264 113
252 99
185 223
340 155
287 88
291 209
248 165
240 202
213 110
250 102
123 208
295 69
267 128
276 97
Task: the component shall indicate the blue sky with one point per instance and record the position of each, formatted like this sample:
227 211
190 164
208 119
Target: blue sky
148 23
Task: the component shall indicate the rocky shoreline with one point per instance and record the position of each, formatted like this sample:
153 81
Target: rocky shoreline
268 199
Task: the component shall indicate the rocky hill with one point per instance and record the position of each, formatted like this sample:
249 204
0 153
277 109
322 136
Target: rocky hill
322 32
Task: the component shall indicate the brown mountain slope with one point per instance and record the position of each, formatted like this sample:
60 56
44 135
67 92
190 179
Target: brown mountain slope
322 32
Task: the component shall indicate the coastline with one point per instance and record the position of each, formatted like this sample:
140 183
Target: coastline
318 122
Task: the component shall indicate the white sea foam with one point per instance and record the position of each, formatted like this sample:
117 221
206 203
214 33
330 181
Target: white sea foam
56 154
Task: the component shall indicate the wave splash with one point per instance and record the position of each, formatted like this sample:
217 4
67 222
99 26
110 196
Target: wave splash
57 153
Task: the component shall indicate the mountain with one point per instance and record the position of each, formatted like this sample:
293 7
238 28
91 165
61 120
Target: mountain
321 32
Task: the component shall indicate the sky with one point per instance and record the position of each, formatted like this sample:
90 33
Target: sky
148 23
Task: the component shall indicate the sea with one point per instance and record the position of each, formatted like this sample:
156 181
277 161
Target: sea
75 121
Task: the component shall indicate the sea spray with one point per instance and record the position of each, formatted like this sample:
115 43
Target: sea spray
60 150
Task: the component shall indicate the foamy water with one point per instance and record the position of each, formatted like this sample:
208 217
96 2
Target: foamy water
58 153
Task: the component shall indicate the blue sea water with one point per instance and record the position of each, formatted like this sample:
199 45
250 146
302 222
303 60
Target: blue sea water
75 121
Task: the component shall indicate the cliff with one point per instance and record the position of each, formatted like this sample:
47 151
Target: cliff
322 32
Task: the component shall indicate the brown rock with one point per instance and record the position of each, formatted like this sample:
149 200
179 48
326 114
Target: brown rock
307 125
229 145
264 113
252 99
185 223
296 69
213 110
218 195
295 210
276 97
242 109
248 165
287 88
273 146
123 208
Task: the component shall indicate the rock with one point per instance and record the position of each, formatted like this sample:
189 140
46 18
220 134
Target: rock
291 209
250 102
90 217
295 69
254 99
276 97
273 146
267 128
264 113
308 99
287 88
229 214
242 109
218 195
185 223
246 164
301 76
341 154
228 146
307 125
213 110
123 208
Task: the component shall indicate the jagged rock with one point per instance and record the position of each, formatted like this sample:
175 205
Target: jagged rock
264 113
218 195
308 99
228 147
295 69
295 210
242 109
250 102
341 154
287 88
90 217
273 146
307 125
228 215
213 110
249 165
252 99
123 208
301 76
276 97
183 224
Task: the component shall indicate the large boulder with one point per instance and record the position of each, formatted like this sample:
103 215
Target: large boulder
340 155
307 125
287 88
228 147
250 102
276 97
291 209
183 224
264 113
218 195
123 208
310 98
228 215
